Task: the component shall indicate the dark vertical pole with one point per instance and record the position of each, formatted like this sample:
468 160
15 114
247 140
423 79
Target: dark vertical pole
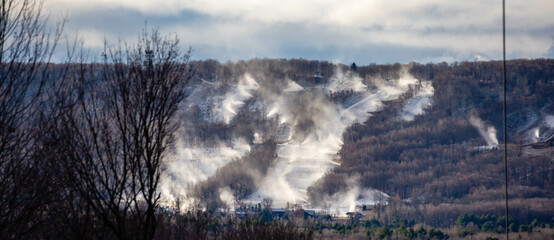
504 108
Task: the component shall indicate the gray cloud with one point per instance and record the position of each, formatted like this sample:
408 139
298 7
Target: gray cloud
351 30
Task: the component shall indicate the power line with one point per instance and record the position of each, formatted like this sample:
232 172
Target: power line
504 108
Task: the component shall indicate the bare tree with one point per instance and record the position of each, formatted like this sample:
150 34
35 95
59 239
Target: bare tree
117 134
26 47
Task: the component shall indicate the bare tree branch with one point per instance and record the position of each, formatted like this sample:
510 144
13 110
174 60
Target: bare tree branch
26 47
121 130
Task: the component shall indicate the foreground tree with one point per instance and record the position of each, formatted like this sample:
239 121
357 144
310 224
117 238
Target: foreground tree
26 47
116 134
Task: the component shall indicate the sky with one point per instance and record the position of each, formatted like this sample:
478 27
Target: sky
361 31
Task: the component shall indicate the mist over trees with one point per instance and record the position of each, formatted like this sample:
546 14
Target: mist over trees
433 165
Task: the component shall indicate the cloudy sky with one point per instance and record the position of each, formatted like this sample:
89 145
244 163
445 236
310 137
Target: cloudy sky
361 31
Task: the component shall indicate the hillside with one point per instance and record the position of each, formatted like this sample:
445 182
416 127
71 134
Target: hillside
336 135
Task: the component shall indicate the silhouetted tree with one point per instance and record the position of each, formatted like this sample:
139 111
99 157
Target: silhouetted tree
353 67
117 134
26 47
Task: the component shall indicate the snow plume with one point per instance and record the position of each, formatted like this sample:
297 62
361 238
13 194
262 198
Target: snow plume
292 86
311 130
350 196
288 137
487 132
315 127
191 165
344 201
544 129
388 90
549 121
226 196
344 82
204 176
420 100
392 89
234 99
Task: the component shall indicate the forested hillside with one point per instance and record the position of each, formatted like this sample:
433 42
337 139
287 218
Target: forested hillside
432 161
436 166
